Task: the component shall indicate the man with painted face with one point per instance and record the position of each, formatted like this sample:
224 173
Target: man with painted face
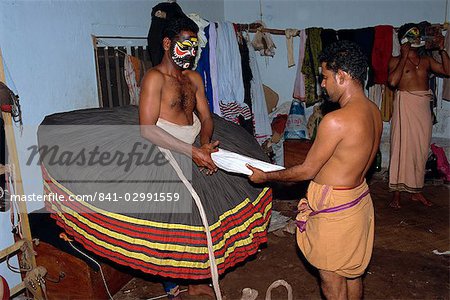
170 92
174 114
336 221
411 122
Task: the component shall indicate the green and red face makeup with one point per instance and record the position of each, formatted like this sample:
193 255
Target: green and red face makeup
183 51
413 37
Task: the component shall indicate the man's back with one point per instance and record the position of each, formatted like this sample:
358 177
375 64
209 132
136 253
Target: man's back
356 129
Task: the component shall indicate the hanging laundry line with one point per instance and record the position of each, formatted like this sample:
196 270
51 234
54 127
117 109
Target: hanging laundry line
254 27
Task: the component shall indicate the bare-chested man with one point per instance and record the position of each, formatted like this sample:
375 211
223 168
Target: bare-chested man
170 92
335 224
174 115
411 120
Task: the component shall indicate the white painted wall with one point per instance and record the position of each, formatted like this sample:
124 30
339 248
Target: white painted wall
49 61
335 14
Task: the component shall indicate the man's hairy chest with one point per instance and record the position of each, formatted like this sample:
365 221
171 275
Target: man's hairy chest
179 94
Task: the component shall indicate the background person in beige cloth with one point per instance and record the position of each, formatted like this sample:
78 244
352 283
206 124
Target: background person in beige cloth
338 243
411 119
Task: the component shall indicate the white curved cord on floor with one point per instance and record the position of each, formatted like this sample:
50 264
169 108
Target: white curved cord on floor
276 284
212 259
252 294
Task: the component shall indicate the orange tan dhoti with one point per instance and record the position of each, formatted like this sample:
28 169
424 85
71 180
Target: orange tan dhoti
336 233
410 140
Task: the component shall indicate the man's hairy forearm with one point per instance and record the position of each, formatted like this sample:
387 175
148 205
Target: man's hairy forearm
294 174
206 132
165 140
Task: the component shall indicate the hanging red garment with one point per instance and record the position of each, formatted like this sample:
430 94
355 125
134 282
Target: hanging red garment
382 52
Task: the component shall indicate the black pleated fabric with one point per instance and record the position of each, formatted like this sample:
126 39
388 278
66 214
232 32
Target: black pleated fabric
149 239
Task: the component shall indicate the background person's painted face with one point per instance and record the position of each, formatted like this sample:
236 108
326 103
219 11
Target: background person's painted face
183 51
413 37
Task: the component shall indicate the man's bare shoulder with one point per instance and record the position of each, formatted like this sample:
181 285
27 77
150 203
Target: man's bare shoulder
152 77
371 104
334 120
194 77
374 110
394 60
429 59
153 74
345 117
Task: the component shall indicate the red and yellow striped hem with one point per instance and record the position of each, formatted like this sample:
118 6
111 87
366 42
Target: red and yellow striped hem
164 249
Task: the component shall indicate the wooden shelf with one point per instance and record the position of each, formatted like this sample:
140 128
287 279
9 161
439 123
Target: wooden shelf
295 151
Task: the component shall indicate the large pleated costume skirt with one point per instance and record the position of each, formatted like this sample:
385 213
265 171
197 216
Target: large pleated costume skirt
129 212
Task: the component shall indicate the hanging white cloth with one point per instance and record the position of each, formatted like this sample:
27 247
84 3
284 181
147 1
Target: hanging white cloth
263 130
229 69
290 33
130 78
202 40
376 94
262 41
395 44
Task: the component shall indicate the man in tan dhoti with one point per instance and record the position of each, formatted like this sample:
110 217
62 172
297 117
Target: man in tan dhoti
411 119
336 222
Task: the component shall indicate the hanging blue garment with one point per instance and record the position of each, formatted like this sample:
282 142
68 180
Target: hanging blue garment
203 69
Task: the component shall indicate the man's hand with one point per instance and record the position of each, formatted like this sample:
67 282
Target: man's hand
212 147
202 157
302 206
404 49
258 175
441 43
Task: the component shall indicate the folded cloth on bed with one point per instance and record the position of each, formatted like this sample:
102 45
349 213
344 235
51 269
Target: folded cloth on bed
235 162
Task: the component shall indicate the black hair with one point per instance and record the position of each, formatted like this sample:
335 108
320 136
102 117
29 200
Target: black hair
175 26
404 28
348 57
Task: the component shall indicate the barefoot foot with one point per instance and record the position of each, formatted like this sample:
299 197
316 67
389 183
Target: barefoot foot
419 197
395 203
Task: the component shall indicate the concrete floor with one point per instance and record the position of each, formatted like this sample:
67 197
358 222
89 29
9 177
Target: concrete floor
403 264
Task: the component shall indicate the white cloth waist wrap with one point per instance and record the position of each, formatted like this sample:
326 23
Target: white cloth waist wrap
188 134
185 133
